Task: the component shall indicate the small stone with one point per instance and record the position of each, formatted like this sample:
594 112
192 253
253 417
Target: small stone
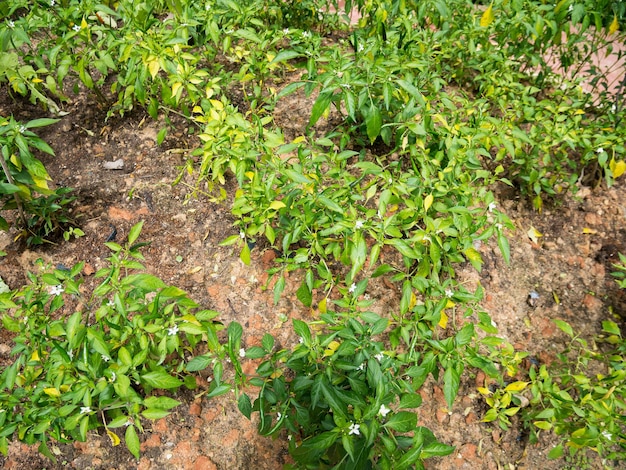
115 165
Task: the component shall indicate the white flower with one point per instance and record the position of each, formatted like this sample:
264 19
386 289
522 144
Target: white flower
52 2
306 34
360 48
105 358
56 290
286 31
76 28
613 108
11 24
354 429
608 435
207 7
84 410
600 150
242 234
361 367
379 356
172 330
22 129
113 376
570 8
110 303
242 352
352 288
347 86
449 293
383 411
491 206
301 340
289 437
358 225
70 353
279 415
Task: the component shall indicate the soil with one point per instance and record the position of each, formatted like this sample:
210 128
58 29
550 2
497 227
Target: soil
568 267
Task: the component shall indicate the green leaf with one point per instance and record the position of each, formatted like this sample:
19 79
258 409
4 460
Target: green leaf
304 294
132 441
267 342
320 106
410 400
564 327
145 282
404 421
161 379
436 449
332 205
97 342
162 403
255 352
503 244
451 380
198 363
373 122
154 413
219 390
278 288
244 256
6 188
40 122
556 452
302 330
245 405
313 448
285 55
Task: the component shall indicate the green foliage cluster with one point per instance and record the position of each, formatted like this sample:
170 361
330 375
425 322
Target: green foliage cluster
24 184
97 366
432 103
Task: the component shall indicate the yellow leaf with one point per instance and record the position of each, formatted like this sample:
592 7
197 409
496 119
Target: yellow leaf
443 321
298 140
322 305
487 17
534 234
40 182
191 319
175 87
617 168
428 201
83 24
589 231
52 392
277 373
37 80
249 174
277 205
154 67
516 386
614 25
483 391
217 104
331 348
115 440
450 304
556 298
34 356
